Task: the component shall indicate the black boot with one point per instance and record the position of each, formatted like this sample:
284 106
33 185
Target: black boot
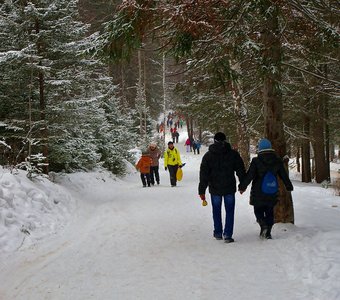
268 234
263 227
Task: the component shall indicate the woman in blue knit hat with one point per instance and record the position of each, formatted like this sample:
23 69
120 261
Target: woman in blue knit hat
262 172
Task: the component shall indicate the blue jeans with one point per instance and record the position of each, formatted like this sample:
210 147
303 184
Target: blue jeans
229 205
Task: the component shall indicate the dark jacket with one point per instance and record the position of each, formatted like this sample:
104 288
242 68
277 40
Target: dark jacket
265 161
218 169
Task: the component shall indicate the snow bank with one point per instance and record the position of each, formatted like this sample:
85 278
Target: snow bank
30 209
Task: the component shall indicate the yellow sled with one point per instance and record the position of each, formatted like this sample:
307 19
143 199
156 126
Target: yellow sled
179 174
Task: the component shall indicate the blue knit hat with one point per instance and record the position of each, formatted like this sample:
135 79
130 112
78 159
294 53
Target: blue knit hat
264 144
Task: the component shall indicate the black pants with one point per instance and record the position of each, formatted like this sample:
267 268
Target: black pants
145 178
154 174
172 172
265 213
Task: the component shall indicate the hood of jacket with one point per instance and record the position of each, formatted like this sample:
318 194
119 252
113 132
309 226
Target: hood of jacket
220 147
268 158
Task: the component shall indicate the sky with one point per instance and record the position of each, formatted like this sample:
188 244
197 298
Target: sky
96 236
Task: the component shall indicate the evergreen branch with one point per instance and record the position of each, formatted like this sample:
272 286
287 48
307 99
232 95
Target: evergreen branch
312 73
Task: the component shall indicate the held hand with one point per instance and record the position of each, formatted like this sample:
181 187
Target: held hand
165 168
202 197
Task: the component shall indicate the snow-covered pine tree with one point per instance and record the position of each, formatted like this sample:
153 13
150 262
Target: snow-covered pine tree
67 85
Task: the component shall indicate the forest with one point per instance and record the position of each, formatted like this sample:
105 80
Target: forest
83 82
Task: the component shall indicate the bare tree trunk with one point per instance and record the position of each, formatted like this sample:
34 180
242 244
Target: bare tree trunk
273 107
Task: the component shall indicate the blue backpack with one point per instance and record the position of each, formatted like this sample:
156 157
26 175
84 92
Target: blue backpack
269 185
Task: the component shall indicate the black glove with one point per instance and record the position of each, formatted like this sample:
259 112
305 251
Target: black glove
165 168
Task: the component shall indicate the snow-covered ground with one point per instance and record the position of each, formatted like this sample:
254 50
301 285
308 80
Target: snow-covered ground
95 236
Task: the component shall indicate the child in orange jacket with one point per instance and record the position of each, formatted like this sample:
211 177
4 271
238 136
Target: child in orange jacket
144 165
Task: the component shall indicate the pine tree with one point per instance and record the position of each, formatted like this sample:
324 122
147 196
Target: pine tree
66 87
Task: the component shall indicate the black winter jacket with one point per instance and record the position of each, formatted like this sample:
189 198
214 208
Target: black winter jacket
265 161
218 169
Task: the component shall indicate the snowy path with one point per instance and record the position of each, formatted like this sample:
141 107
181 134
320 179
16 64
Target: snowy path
128 242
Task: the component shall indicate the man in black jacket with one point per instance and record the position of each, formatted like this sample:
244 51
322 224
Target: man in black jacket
217 171
263 202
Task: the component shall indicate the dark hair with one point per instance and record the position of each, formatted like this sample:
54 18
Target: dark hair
220 137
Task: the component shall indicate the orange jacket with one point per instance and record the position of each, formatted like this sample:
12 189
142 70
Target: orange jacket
144 164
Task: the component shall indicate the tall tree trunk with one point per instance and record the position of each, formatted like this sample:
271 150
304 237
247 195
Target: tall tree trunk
306 155
273 108
306 165
243 141
190 129
141 95
42 105
331 151
327 142
319 140
298 166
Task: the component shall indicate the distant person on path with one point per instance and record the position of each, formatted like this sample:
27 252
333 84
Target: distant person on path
217 171
144 166
196 146
173 134
172 161
266 160
177 136
187 144
155 154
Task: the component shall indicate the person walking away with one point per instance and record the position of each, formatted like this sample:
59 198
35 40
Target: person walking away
172 161
198 146
191 143
144 166
173 135
266 164
155 154
217 171
187 144
194 146
177 136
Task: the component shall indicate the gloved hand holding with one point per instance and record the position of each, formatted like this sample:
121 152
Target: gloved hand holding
165 168
204 202
202 197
